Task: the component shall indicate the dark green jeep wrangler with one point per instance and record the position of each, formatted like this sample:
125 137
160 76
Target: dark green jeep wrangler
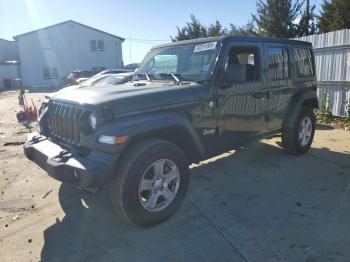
188 101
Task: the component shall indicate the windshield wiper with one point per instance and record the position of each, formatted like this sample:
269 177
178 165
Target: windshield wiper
147 76
176 77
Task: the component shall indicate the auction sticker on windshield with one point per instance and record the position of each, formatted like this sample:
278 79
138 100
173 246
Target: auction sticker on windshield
205 47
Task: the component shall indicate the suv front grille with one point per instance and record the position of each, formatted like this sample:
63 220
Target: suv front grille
64 122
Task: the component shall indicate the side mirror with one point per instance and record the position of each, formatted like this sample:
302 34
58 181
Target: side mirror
235 73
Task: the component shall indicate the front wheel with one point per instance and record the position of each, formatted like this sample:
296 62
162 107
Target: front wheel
298 139
151 182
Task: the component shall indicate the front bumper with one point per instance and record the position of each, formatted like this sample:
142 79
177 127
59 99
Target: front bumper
66 165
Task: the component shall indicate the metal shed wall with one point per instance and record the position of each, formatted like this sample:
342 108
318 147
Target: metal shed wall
332 55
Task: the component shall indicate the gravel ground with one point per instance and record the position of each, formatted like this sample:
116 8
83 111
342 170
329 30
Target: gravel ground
254 204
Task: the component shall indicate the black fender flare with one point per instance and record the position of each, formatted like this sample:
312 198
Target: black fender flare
296 105
136 126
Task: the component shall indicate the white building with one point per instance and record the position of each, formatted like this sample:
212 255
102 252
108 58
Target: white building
9 70
47 55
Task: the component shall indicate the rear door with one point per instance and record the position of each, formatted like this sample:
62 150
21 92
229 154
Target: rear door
278 84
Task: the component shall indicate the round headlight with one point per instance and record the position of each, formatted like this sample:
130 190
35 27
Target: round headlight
93 121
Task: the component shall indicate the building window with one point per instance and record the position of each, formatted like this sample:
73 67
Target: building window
277 58
46 43
304 62
50 72
97 45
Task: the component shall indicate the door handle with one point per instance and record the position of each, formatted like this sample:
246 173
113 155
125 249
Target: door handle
261 95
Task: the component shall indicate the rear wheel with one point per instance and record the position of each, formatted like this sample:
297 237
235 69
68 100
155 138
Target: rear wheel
298 139
151 182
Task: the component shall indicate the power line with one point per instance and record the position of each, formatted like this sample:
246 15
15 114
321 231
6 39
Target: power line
148 40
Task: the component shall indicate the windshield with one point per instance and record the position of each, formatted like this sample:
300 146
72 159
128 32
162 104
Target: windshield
190 61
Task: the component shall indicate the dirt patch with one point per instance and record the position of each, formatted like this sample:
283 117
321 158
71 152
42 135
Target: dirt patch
17 205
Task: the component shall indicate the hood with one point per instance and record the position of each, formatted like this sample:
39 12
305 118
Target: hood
130 96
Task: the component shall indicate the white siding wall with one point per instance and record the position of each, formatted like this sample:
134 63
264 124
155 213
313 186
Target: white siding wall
332 55
67 48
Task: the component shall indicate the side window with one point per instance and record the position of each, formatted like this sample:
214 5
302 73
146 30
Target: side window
50 72
277 59
304 62
246 60
46 43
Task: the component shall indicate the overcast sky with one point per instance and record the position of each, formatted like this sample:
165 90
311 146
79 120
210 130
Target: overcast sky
153 21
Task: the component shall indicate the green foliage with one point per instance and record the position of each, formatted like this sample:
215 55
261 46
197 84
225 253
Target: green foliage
192 29
216 29
324 115
195 29
349 109
277 17
246 30
335 15
307 23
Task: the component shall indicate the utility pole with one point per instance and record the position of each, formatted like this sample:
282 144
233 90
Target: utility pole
307 17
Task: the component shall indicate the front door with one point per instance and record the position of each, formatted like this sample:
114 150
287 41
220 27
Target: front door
242 104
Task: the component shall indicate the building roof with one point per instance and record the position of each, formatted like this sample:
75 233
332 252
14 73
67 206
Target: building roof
69 21
2 39
236 38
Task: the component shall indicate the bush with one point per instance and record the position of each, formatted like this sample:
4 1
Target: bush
324 115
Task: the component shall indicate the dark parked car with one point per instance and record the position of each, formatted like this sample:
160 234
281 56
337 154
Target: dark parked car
114 79
132 66
72 77
114 71
188 101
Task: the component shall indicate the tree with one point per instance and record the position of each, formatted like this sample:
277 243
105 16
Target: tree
245 30
193 29
307 24
335 15
277 17
216 29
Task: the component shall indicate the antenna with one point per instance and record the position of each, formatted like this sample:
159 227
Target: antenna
130 49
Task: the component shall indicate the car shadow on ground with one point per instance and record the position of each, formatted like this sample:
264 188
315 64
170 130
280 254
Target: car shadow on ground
231 210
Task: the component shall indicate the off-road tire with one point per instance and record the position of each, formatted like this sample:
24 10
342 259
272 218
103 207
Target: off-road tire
124 189
290 136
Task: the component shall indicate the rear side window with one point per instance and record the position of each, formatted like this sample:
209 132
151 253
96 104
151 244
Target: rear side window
277 58
304 62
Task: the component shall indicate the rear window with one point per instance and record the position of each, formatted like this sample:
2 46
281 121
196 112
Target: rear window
304 62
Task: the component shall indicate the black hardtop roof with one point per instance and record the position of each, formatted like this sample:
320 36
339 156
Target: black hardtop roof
238 39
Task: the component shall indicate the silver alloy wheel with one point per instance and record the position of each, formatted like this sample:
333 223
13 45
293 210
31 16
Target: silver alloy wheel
159 185
305 131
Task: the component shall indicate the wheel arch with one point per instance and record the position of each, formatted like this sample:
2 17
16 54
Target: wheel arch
176 134
175 127
304 99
